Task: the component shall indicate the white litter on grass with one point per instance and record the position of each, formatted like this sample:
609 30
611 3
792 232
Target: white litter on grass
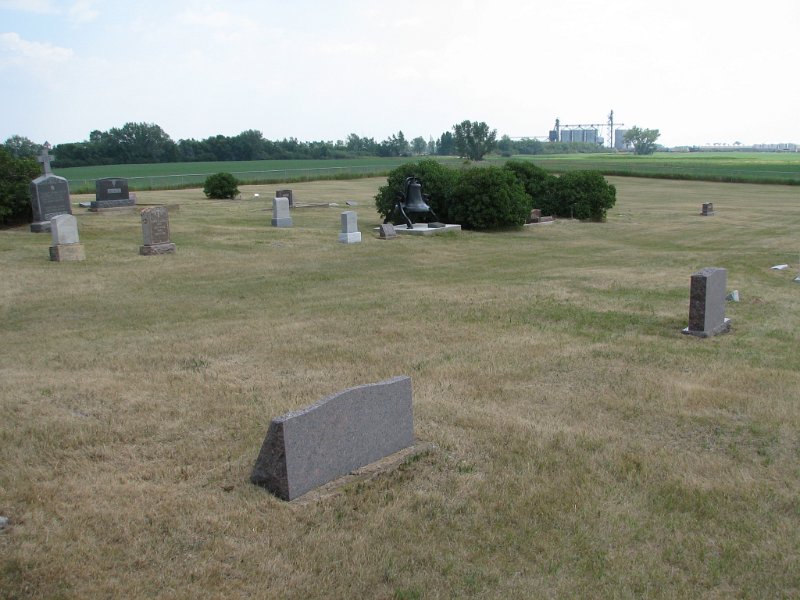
733 296
797 279
255 195
780 267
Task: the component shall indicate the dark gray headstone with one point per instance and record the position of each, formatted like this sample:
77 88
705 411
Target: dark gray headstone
707 303
310 447
155 231
112 192
286 194
49 197
707 209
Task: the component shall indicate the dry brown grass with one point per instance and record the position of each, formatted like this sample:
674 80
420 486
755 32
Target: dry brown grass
585 447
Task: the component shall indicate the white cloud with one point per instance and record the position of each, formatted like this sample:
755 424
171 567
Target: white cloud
45 7
16 51
83 11
80 11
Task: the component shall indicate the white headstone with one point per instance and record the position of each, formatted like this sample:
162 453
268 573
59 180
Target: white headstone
280 213
350 233
64 229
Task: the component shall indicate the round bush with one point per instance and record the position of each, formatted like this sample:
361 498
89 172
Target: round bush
584 195
15 178
437 183
220 186
488 198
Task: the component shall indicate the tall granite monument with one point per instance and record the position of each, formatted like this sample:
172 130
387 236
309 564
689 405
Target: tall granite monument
49 195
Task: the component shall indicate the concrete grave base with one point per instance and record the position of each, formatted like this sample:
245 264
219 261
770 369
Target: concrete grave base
67 252
724 328
282 222
350 238
40 227
423 229
155 249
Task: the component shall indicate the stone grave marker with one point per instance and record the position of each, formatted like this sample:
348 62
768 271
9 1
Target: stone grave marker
280 213
155 231
707 209
707 303
66 245
112 192
350 233
307 448
286 194
49 195
387 232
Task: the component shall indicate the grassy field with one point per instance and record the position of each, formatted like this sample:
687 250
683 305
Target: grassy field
741 167
584 447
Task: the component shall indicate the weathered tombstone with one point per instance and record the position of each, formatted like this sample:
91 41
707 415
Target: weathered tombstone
49 195
535 215
155 231
280 213
707 303
387 232
286 194
307 448
350 233
66 244
112 192
708 209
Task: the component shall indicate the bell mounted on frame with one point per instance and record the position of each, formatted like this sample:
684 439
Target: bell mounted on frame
411 201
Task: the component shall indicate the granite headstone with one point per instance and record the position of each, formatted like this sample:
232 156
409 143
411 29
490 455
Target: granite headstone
286 194
350 233
280 213
387 232
707 209
307 448
112 192
49 195
155 231
707 303
66 244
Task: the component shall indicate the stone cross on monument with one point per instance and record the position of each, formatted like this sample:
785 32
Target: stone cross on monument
46 159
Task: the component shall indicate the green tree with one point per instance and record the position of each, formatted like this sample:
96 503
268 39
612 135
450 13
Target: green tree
15 178
21 147
220 186
488 198
446 145
473 140
584 195
642 140
419 145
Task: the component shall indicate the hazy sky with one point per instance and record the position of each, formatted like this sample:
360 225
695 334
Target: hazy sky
700 71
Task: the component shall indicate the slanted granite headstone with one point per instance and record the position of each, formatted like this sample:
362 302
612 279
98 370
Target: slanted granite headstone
280 213
286 194
49 195
387 232
307 448
707 303
707 209
350 233
535 215
112 192
66 244
155 231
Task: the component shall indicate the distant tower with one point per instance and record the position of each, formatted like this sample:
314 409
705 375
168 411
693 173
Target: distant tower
611 129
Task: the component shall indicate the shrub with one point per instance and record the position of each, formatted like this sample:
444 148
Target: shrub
221 185
437 183
583 195
488 198
16 175
537 182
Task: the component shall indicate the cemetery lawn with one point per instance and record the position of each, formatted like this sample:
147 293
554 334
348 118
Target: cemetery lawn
584 447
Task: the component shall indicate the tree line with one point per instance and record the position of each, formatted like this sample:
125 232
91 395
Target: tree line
144 143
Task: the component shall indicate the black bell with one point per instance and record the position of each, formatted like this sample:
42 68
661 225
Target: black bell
414 201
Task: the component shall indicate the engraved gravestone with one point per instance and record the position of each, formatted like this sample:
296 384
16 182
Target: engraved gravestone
707 303
286 194
307 448
350 233
280 213
707 210
155 231
49 195
66 244
112 192
387 232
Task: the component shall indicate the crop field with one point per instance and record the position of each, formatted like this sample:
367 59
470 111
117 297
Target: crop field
743 167
581 446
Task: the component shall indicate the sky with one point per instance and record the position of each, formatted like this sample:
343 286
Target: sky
699 71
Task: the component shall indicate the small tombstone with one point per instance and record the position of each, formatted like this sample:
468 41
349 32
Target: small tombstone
387 232
350 233
280 212
155 231
707 303
708 209
286 194
535 215
112 192
307 448
66 245
49 195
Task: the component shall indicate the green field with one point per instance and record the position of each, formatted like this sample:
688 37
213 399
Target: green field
583 447
742 167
